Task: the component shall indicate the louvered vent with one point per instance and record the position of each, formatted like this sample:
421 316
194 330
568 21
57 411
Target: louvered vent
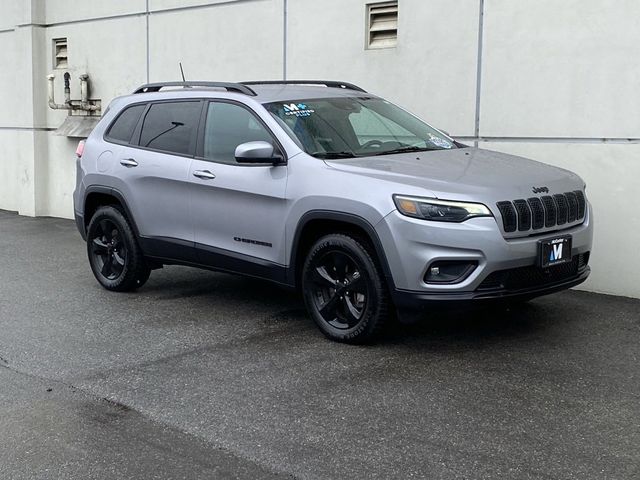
382 25
60 57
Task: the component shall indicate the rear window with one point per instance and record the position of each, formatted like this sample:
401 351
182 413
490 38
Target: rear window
122 129
171 127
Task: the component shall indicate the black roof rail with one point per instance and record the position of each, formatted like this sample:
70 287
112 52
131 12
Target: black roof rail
231 87
326 83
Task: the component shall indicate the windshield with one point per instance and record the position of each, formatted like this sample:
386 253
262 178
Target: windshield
355 127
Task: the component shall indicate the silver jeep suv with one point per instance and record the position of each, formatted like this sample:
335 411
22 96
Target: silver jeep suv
324 187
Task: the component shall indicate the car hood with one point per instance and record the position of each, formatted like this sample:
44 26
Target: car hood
464 173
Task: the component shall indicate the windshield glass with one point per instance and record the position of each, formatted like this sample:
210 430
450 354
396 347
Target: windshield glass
355 127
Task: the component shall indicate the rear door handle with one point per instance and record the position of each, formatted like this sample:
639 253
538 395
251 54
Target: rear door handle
204 174
128 162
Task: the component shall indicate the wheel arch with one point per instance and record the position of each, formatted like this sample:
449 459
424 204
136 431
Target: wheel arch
316 223
97 196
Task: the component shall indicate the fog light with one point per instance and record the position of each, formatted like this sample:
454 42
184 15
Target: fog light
449 271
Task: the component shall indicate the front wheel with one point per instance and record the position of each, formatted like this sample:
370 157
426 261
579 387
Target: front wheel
344 289
114 255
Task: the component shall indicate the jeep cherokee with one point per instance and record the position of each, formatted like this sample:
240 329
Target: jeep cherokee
321 186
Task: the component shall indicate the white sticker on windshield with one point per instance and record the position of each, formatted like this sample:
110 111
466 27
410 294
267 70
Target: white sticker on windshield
439 141
297 109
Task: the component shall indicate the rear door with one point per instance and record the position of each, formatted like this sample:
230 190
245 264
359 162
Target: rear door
154 171
238 209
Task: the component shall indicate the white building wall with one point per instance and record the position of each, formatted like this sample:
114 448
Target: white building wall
432 71
559 82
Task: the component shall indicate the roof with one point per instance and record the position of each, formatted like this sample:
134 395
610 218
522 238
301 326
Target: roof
269 91
278 92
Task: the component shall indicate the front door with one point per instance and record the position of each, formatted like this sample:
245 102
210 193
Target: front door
238 209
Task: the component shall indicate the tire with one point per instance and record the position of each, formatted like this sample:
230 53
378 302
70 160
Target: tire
115 257
344 289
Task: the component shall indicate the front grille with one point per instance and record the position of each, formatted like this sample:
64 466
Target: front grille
547 211
550 211
537 213
572 201
524 214
509 216
532 276
563 208
582 203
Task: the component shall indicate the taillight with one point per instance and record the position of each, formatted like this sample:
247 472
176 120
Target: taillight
80 148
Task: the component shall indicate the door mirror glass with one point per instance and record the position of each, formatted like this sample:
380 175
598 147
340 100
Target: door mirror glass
257 152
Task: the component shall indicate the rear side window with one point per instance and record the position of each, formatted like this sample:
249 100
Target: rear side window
171 127
122 129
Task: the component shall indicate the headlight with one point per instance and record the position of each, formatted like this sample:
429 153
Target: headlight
439 210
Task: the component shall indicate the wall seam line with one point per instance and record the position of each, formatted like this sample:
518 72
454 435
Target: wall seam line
136 14
479 70
147 33
284 40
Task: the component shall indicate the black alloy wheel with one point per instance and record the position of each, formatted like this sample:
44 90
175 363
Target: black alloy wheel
108 249
340 292
115 257
344 289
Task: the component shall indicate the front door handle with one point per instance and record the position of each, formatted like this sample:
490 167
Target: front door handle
128 162
204 174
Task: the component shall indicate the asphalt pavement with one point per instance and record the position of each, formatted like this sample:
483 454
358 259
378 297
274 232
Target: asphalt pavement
207 375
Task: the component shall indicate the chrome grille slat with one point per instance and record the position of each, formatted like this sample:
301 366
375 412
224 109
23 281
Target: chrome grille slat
547 211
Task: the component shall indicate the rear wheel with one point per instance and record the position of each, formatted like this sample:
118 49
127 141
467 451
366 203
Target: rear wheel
344 289
114 255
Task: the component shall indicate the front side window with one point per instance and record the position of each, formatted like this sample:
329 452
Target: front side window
227 126
171 126
122 129
355 127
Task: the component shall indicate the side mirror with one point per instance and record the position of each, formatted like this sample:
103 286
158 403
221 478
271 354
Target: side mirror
257 152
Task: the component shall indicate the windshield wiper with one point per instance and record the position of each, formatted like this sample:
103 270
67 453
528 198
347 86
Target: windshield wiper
333 155
406 149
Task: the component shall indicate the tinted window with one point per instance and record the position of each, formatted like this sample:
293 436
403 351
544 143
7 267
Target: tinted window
227 126
125 124
170 126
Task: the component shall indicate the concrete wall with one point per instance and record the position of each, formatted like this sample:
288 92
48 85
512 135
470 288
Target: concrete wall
431 72
558 82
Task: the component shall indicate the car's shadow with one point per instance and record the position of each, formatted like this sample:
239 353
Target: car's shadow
436 327
478 325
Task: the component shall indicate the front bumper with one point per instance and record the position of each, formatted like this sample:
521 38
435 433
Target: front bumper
411 245
410 300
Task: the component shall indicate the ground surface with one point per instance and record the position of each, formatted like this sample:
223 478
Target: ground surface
206 375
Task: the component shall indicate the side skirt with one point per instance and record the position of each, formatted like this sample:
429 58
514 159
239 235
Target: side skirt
171 251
